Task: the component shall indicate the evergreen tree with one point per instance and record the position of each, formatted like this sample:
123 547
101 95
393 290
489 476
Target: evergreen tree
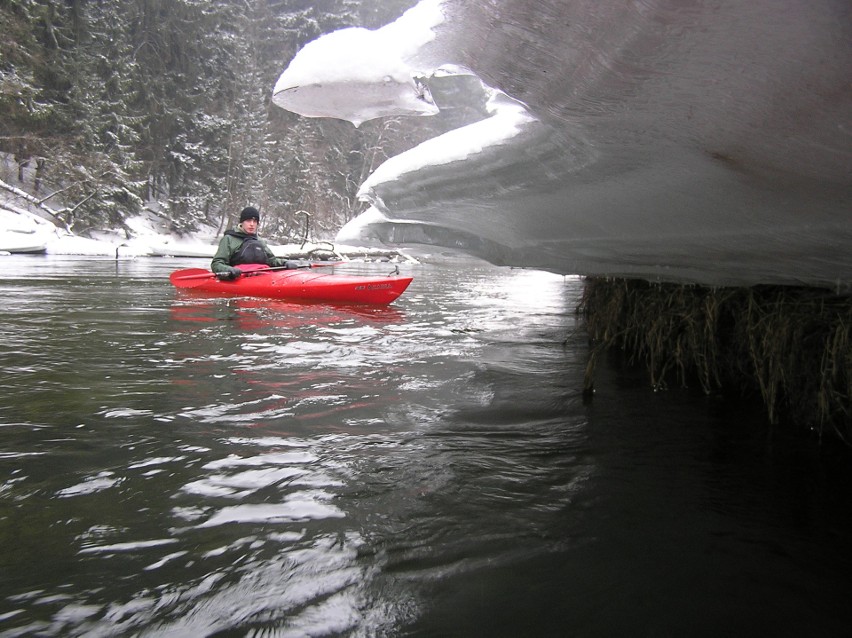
123 104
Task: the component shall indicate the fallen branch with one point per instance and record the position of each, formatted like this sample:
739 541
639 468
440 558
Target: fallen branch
34 201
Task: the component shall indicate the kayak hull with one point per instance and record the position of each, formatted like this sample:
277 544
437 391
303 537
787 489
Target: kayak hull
306 285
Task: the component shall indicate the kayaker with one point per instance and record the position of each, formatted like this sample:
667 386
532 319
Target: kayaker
243 246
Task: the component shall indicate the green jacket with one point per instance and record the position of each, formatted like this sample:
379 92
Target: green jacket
230 244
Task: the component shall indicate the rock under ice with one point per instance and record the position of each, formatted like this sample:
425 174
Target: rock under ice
696 141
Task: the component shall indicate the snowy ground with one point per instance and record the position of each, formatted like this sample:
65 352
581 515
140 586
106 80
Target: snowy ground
25 227
24 232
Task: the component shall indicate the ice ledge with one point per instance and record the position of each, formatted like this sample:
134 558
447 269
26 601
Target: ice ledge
707 142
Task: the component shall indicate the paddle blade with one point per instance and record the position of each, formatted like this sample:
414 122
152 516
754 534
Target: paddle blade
190 277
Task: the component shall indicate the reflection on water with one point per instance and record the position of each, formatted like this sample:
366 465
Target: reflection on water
175 464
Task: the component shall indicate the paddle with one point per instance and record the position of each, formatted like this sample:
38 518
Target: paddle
189 274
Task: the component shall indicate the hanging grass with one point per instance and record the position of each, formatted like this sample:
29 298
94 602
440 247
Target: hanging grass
791 345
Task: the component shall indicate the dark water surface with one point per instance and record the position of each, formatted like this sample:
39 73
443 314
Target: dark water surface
181 465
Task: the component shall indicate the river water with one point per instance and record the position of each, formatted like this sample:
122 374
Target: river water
173 464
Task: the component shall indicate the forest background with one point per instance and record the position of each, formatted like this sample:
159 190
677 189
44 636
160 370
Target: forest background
112 107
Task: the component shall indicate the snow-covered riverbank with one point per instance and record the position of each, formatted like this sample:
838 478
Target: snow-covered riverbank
706 143
24 232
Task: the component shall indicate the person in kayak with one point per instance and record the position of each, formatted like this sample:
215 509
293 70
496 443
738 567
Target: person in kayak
243 246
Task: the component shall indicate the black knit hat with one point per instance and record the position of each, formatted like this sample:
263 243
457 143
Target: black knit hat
249 212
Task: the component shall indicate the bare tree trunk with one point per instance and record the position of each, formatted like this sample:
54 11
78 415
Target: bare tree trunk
40 163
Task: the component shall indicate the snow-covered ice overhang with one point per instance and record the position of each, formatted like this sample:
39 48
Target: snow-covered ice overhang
698 141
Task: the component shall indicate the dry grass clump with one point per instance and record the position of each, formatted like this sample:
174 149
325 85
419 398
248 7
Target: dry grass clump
792 345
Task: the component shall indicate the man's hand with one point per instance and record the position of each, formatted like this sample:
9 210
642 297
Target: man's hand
230 274
295 263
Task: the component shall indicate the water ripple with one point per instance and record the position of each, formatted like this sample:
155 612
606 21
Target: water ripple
184 465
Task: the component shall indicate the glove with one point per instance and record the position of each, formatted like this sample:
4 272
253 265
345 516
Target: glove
230 274
291 264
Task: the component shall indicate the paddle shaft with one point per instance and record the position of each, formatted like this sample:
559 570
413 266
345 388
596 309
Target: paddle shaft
259 272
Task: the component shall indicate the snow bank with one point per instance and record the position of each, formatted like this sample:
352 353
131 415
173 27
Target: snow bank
706 143
375 76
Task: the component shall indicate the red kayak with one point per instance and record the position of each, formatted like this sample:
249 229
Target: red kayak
298 283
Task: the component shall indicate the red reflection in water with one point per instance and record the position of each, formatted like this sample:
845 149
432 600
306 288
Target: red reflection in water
262 313
257 314
302 399
194 313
